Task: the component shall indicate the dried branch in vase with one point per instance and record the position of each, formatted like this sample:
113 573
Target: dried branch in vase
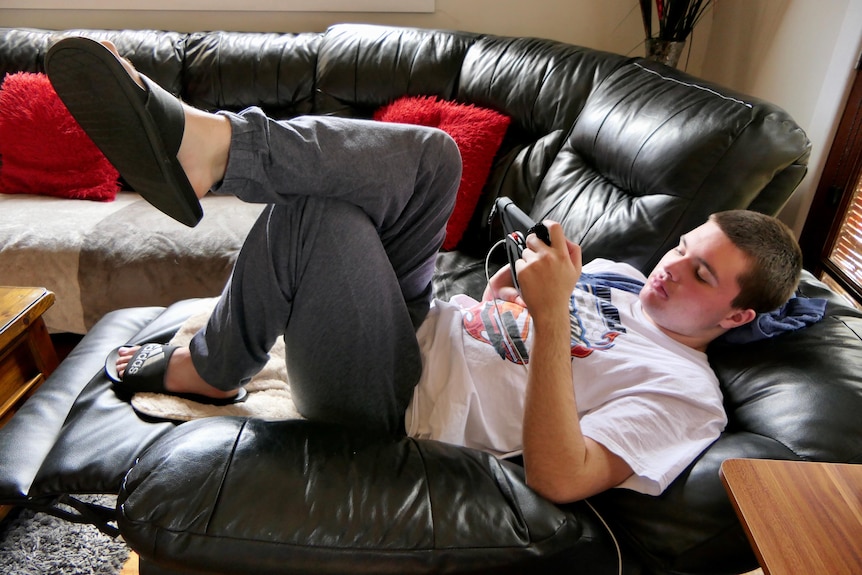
676 18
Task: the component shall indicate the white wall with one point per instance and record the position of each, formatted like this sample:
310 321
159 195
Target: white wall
798 54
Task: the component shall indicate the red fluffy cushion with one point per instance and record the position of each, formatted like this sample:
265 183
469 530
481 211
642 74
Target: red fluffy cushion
478 133
43 149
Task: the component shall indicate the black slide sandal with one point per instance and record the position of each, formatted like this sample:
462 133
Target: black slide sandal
139 130
146 374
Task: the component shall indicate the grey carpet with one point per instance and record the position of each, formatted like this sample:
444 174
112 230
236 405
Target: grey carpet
37 544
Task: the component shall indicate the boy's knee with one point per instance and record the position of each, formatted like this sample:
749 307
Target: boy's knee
448 151
442 153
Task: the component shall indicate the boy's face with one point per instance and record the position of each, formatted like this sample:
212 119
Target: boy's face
689 293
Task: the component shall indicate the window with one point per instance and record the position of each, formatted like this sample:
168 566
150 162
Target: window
233 5
846 253
831 240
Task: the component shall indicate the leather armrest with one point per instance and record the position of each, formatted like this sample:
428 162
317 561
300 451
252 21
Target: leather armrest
76 435
32 461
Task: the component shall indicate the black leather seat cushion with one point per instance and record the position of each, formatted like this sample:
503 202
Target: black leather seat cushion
234 495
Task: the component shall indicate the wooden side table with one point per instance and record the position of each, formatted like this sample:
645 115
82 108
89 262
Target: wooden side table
27 356
800 517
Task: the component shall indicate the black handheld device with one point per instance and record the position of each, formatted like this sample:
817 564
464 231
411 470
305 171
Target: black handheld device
517 226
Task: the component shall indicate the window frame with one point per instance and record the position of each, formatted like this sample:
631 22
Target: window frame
834 195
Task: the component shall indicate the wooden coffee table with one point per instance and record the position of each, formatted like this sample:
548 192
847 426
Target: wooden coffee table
800 517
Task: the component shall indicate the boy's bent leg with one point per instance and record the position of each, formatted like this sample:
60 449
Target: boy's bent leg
342 265
316 271
404 178
339 158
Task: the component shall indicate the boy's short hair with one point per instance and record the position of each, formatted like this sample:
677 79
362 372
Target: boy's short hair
775 264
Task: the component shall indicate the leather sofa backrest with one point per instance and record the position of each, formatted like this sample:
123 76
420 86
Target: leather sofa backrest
626 153
359 69
654 153
231 71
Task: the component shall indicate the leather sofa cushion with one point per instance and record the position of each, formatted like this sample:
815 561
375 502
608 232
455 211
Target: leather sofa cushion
361 68
75 435
237 495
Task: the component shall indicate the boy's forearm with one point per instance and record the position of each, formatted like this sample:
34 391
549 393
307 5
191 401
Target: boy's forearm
554 448
561 463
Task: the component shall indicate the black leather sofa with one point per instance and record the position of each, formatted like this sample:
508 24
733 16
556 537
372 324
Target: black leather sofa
626 153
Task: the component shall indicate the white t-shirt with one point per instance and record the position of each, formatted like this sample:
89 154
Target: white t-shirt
651 400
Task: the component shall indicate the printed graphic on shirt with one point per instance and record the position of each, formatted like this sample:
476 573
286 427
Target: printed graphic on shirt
595 324
595 321
484 323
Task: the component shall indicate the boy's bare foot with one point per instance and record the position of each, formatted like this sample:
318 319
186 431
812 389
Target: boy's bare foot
181 377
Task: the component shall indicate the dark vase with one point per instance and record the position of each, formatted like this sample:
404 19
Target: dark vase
666 52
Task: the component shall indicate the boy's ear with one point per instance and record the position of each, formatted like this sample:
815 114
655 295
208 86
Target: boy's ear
738 317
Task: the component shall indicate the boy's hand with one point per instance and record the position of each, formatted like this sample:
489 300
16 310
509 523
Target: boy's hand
561 253
548 274
500 287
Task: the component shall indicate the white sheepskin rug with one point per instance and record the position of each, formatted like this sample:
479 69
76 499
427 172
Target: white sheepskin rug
268 392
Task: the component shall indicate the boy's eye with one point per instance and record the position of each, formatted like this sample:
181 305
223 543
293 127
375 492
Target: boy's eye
704 276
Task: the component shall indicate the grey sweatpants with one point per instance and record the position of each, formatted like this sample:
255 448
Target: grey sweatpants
339 262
